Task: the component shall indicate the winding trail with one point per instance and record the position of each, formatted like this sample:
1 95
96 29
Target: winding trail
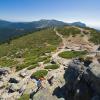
60 49
61 36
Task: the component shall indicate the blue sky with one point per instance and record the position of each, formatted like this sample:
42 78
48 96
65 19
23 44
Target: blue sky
87 11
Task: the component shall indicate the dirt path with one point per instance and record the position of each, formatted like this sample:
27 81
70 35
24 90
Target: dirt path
55 54
61 36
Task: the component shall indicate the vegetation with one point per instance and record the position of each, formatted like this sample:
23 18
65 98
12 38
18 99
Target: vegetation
72 54
32 66
37 43
24 97
47 60
31 62
39 74
95 37
21 66
7 62
31 47
66 31
53 66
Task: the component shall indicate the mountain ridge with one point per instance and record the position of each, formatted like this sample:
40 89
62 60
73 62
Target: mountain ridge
46 21
9 30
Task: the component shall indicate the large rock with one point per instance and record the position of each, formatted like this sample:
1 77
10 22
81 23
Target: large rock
4 71
94 77
13 87
82 81
44 94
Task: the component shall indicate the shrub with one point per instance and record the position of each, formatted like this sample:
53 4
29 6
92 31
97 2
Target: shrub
39 74
47 61
54 66
22 66
24 97
32 66
95 37
72 54
7 62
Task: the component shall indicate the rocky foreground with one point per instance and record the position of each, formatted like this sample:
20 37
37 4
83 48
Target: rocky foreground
82 82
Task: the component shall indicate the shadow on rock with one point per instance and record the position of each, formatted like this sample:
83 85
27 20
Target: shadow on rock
82 82
59 92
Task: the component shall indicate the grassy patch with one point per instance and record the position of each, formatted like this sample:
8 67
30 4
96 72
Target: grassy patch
72 54
31 61
54 66
37 43
21 66
24 97
95 37
39 74
47 60
32 66
31 48
66 31
7 62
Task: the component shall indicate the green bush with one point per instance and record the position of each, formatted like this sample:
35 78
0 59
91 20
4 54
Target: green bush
32 66
39 74
22 66
72 54
24 97
54 66
47 61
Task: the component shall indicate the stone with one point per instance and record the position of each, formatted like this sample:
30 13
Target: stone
4 71
14 80
82 81
13 87
24 74
44 94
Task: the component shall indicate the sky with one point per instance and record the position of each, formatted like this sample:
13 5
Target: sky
86 11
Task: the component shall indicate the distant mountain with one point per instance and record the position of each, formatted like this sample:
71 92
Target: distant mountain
80 24
9 30
37 24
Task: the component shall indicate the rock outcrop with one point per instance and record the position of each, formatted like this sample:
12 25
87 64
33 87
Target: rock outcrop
82 82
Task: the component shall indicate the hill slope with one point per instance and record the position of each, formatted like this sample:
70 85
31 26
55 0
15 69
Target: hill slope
38 43
44 54
30 47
